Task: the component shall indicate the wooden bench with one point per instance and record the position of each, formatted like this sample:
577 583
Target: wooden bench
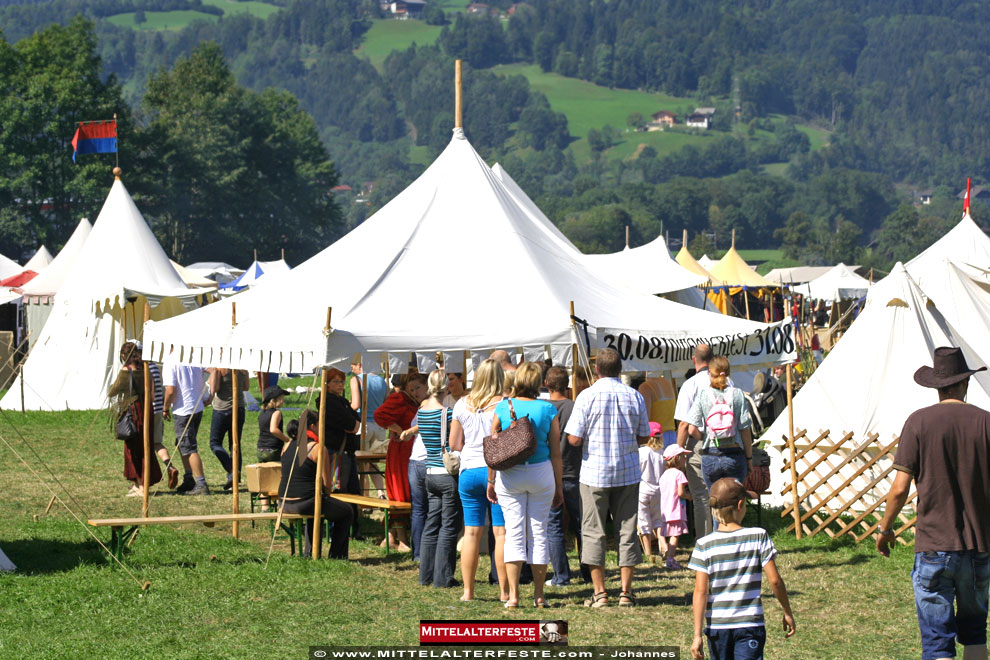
388 506
123 529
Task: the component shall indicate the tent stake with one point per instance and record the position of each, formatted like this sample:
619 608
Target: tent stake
790 447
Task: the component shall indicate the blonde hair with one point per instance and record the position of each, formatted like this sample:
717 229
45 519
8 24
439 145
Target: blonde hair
724 515
655 442
489 383
437 382
509 387
529 378
718 372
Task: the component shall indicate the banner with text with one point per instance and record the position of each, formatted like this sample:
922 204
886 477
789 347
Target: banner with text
671 351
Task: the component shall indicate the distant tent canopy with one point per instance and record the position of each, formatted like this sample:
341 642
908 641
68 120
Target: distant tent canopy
39 261
456 206
19 280
647 269
120 268
8 267
218 271
253 275
839 283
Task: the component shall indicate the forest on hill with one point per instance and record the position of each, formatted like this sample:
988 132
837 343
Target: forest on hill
900 86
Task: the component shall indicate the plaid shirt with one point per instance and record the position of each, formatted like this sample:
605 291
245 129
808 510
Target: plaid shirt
608 416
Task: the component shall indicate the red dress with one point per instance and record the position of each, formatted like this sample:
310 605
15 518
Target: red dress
398 408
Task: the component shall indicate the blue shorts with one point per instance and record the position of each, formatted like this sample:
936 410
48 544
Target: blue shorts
950 593
473 489
737 643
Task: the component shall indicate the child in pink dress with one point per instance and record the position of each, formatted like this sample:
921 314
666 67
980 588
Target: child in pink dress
673 492
649 518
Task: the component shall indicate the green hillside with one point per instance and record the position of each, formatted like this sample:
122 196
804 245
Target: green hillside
387 35
176 20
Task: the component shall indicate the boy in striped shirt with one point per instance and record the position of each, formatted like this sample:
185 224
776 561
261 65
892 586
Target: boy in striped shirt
729 566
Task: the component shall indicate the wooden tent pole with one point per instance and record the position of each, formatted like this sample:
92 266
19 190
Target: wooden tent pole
627 235
134 325
235 436
746 299
790 447
458 97
146 431
574 357
321 458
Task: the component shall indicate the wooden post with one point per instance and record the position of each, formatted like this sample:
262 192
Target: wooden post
134 326
790 447
321 458
746 300
23 409
364 407
467 367
148 416
235 442
574 357
458 98
627 235
684 240
256 254
283 254
733 237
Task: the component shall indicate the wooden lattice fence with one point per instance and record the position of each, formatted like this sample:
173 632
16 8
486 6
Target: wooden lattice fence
842 487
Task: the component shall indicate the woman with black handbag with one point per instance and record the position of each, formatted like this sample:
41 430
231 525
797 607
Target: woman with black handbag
127 405
532 485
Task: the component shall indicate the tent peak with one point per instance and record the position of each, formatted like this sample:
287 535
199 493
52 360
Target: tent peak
116 173
459 134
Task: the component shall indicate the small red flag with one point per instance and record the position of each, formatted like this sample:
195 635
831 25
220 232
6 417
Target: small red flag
966 200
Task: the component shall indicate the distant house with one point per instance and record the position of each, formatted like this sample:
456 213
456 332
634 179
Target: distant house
708 112
415 7
344 188
403 9
477 8
660 120
977 194
925 197
697 120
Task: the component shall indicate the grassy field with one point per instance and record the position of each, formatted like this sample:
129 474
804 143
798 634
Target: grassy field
387 35
211 595
176 20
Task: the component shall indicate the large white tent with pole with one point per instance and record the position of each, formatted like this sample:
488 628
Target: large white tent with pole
838 283
101 303
966 244
865 385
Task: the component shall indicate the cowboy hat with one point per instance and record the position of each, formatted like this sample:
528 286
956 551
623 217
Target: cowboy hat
950 368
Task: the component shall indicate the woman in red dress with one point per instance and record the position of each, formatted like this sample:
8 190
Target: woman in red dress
396 414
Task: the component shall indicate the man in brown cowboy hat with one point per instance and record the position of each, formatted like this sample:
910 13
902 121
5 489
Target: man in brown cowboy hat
945 448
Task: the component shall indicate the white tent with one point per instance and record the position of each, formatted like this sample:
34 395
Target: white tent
254 274
48 282
217 271
9 268
191 278
706 262
39 261
648 268
529 206
839 283
797 274
865 384
391 296
120 267
964 302
965 244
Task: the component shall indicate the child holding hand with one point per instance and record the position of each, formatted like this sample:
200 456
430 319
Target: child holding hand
649 517
673 492
729 565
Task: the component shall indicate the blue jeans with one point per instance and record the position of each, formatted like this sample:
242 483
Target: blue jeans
443 522
555 532
417 492
942 579
222 425
737 643
715 466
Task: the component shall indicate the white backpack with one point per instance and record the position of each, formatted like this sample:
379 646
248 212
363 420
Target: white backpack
721 420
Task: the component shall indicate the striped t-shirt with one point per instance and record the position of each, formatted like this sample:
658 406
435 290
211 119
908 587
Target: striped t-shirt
158 403
734 564
429 430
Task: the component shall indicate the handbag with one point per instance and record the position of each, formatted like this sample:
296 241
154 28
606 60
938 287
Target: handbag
510 447
758 479
130 424
451 461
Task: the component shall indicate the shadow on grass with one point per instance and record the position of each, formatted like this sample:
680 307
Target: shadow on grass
43 556
852 561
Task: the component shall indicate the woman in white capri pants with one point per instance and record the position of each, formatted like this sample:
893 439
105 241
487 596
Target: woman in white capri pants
529 490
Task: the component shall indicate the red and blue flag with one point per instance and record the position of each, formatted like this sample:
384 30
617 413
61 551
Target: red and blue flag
97 137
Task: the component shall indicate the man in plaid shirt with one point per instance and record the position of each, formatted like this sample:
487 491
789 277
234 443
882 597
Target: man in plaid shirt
607 421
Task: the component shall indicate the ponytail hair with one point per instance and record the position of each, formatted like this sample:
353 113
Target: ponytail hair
437 382
718 372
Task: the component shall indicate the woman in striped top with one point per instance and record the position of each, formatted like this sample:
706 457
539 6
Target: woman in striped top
438 546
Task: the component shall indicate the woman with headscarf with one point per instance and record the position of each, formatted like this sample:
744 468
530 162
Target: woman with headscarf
127 398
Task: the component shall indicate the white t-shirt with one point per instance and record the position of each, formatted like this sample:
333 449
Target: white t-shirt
476 426
689 392
652 466
419 449
190 385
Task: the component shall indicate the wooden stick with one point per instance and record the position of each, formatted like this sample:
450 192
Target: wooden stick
627 235
148 417
51 503
134 320
23 409
320 459
746 299
790 447
458 98
235 442
574 358
364 407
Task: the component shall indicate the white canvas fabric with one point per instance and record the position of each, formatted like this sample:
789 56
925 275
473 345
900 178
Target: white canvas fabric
797 274
965 244
39 261
839 283
48 282
706 262
217 271
9 267
865 384
99 305
964 302
647 269
254 274
192 278
381 293
543 223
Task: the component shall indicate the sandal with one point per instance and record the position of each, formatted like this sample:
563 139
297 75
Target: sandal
509 605
540 603
598 600
630 599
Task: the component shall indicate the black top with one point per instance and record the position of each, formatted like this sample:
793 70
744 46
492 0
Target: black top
303 485
267 441
340 418
570 456
946 448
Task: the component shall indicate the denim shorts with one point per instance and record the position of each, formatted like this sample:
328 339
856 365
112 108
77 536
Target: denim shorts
186 428
737 643
473 489
944 579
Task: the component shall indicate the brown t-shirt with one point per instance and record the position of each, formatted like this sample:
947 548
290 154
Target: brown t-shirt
946 447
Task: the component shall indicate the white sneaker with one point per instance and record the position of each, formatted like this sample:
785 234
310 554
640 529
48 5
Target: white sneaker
135 492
